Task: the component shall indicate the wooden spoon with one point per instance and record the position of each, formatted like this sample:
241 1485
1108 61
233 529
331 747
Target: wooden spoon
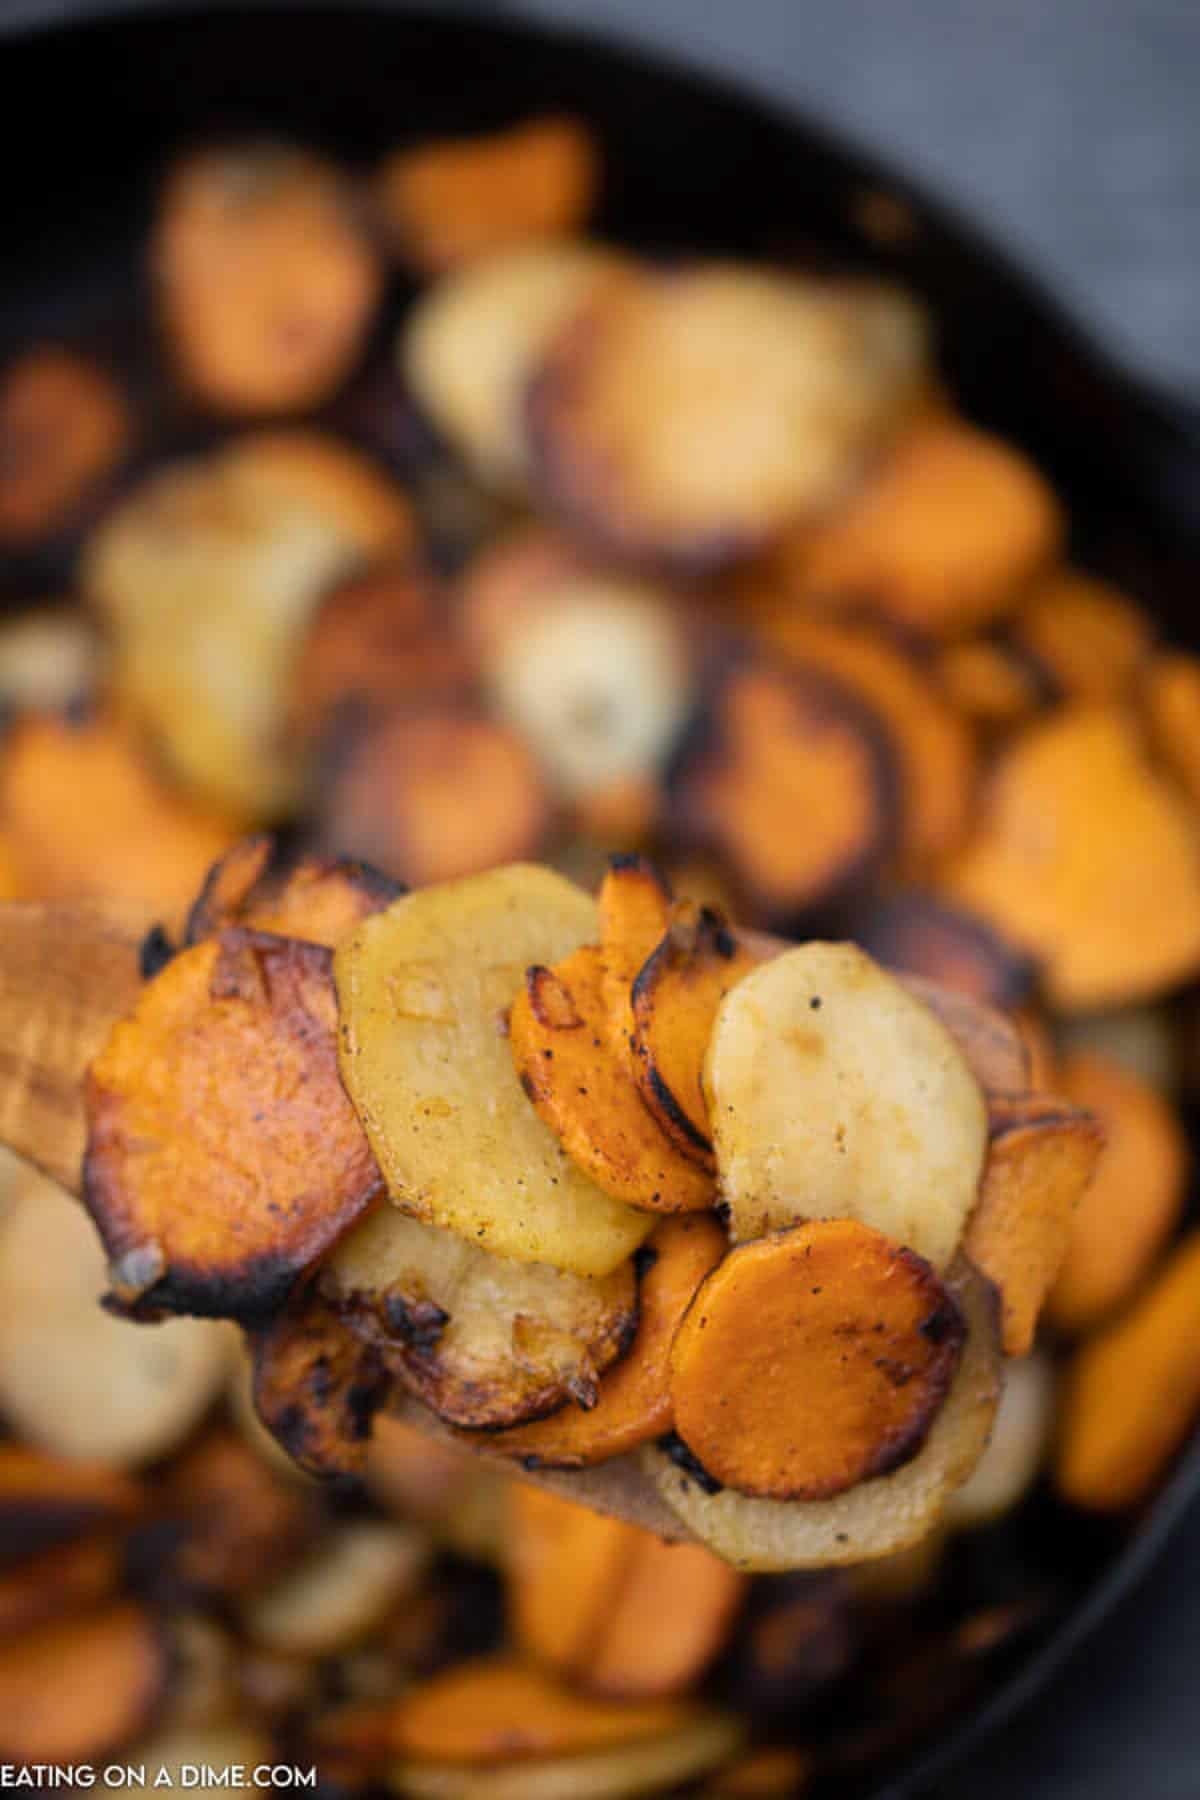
70 970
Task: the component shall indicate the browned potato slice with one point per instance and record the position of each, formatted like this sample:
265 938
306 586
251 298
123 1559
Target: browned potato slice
75 1690
316 900
240 1523
424 990
993 1048
431 794
208 576
687 416
219 1209
876 1517
484 1340
73 1378
50 661
64 426
1085 856
317 1386
471 343
774 746
834 1093
45 1499
583 1086
265 282
942 539
1019 1446
1089 636
596 682
455 200
924 935
347 1585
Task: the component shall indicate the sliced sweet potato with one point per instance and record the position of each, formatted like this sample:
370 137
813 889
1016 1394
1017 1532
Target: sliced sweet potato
64 426
565 1569
1042 1155
774 747
834 1093
432 794
77 1689
240 1522
69 1578
482 1339
451 201
633 1399
84 814
674 1608
219 1208
876 1517
813 1359
46 1499
264 279
1089 636
316 900
317 1386
634 905
471 343
1170 696
942 539
1132 1391
933 744
993 683
924 935
583 1087
687 416
344 1588
1085 856
1135 1197
1019 1446
675 1000
73 1378
424 990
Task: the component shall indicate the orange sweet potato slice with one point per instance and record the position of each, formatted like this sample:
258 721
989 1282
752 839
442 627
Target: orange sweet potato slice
1089 637
84 814
1132 1391
583 1088
773 747
1133 1203
1170 697
1089 859
433 795
223 1155
76 1689
1042 1155
633 1400
565 1566
501 1709
45 1499
317 1386
635 910
674 1608
995 684
318 900
446 203
813 1359
675 999
925 935
66 1579
64 426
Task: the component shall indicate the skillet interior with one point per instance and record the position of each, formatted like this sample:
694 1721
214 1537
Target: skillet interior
88 113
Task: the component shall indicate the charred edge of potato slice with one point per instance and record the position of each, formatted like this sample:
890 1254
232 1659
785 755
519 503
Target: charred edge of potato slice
218 1209
925 935
483 1340
46 1499
633 1398
228 885
791 779
675 999
584 1089
317 1386
316 900
879 1516
813 1359
74 1690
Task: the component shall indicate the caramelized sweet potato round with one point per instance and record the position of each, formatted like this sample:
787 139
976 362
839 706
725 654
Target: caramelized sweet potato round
314 899
64 426
813 1359
217 1207
1090 638
674 1606
565 1567
74 1690
45 1499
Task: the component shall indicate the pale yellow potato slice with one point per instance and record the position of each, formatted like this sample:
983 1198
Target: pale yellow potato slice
47 660
834 1093
483 1339
347 1586
424 991
876 1518
619 1773
1019 1445
73 1378
471 343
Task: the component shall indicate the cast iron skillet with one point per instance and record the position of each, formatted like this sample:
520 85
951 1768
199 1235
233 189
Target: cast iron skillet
88 112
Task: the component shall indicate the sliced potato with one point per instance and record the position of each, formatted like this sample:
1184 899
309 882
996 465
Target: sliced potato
317 1386
483 1339
218 1209
876 1517
225 1744
923 935
73 1378
1019 1446
687 416
833 1093
77 1689
424 991
993 1048
348 1585
49 661
471 343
